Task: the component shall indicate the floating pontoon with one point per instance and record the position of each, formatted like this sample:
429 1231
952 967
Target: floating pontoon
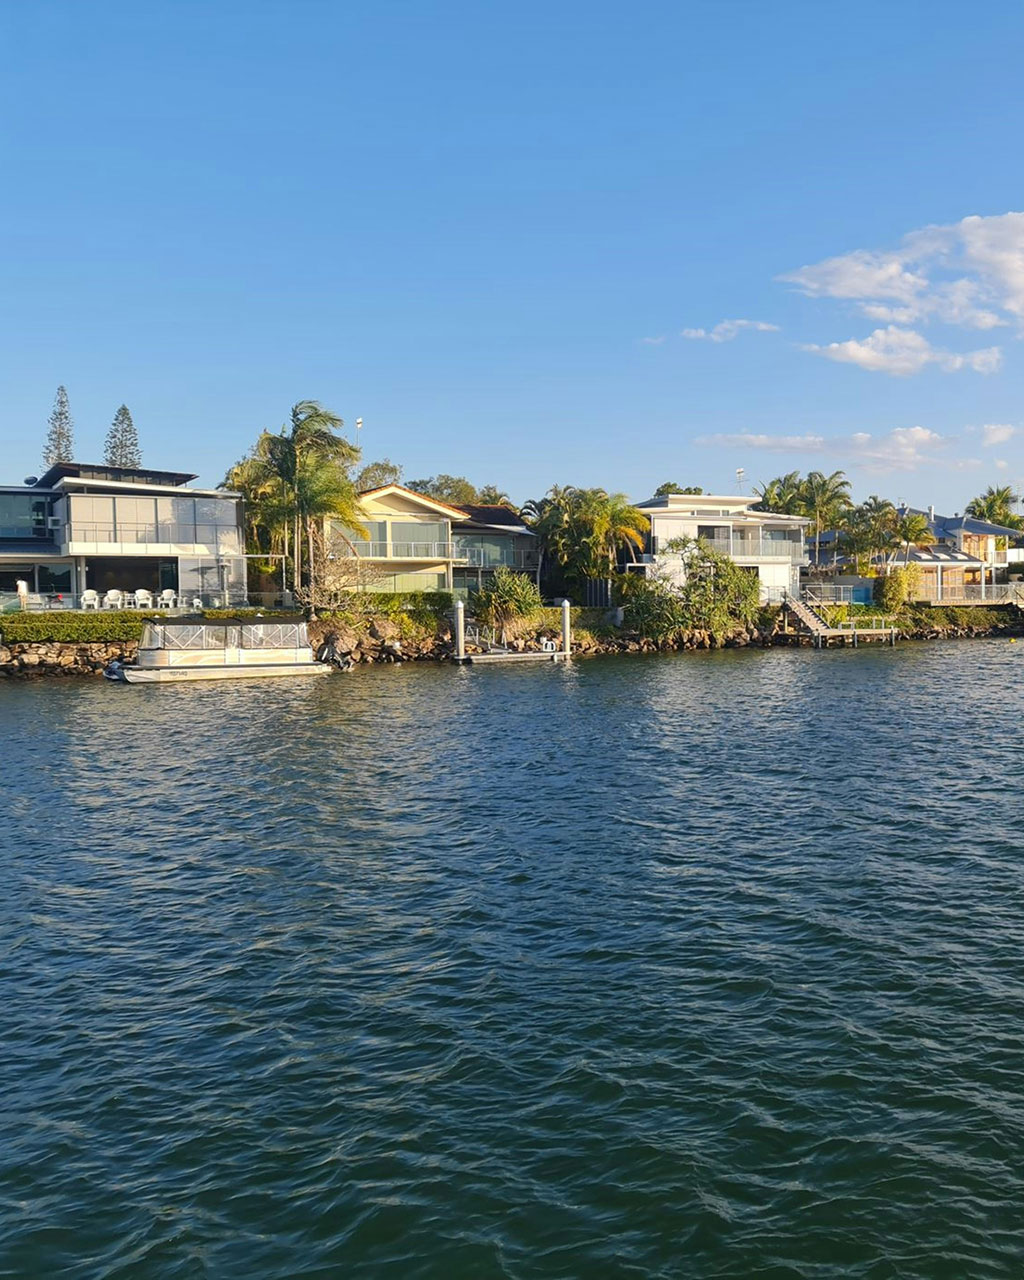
201 649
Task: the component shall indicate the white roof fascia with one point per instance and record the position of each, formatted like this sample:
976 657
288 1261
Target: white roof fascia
136 487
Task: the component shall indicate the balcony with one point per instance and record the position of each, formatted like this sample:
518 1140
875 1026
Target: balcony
492 558
756 548
135 539
397 550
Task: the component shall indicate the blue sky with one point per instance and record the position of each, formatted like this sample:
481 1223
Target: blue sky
483 228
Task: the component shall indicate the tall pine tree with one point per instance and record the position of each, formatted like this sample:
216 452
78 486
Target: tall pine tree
123 441
59 440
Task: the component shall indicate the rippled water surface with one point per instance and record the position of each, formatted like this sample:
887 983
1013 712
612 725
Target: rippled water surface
699 965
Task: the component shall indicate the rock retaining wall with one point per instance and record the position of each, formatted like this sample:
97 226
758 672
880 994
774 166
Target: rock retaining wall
382 641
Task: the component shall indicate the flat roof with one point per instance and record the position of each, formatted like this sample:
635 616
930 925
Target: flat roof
101 471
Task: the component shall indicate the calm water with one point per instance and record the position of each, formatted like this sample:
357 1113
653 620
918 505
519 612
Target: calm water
685 966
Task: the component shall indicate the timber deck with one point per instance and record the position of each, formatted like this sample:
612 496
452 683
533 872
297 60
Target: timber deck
809 624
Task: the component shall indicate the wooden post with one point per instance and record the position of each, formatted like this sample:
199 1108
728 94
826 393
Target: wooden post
566 629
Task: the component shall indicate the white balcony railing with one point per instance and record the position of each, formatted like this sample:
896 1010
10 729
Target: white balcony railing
397 550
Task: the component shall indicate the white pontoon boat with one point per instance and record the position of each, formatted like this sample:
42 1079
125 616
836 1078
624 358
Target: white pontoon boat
203 649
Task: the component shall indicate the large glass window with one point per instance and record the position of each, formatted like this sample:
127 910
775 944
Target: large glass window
23 515
54 579
177 519
486 550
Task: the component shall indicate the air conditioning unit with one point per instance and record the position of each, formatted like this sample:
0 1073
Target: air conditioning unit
54 522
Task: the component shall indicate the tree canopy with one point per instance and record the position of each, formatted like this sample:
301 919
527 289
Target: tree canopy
59 445
122 445
996 506
663 490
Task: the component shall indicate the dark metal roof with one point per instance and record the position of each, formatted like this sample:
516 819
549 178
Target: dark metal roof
122 475
493 516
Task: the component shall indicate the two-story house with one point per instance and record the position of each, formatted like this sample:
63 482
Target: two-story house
410 545
417 543
768 544
85 527
968 556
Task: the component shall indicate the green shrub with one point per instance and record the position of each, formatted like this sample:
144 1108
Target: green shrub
67 627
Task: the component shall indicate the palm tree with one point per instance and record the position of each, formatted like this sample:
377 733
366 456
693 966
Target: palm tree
824 499
549 517
323 490
996 506
782 495
618 524
293 456
582 530
913 530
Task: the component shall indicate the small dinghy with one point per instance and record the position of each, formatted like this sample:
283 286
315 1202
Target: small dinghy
204 649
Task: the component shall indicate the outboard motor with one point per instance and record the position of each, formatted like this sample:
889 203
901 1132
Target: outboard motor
328 652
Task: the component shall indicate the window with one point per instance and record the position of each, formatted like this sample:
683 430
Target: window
419 539
23 515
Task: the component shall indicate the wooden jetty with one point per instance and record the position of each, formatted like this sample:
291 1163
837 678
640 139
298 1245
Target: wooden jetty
810 624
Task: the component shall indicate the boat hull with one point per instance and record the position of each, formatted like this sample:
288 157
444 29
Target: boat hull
243 671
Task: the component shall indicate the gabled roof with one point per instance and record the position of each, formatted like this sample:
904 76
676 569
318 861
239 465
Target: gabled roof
432 504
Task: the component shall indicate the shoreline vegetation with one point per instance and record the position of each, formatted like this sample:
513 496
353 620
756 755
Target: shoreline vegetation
65 643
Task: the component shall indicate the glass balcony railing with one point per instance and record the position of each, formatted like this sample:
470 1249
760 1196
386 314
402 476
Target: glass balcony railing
121 534
477 557
747 548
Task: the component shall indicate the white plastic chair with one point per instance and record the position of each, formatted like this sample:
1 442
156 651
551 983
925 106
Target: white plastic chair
166 599
114 599
90 599
143 598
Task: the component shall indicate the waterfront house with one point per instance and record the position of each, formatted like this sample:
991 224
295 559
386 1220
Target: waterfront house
417 543
769 545
977 538
90 528
410 545
491 537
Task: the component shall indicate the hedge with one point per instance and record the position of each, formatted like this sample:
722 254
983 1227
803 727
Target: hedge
67 627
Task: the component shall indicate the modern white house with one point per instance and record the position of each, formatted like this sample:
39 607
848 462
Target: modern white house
769 545
93 529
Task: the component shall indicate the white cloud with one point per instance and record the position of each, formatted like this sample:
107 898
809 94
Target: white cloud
901 449
653 342
904 351
996 433
726 330
968 273
746 439
1002 464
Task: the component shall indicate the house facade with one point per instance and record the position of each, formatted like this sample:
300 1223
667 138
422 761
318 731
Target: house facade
416 543
489 538
84 527
409 546
767 544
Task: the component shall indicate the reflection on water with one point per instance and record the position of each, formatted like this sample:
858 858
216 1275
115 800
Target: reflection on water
689 965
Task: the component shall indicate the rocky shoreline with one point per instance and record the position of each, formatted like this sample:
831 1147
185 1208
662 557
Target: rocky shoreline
382 641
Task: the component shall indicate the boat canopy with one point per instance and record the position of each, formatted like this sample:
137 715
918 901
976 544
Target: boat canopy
178 634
